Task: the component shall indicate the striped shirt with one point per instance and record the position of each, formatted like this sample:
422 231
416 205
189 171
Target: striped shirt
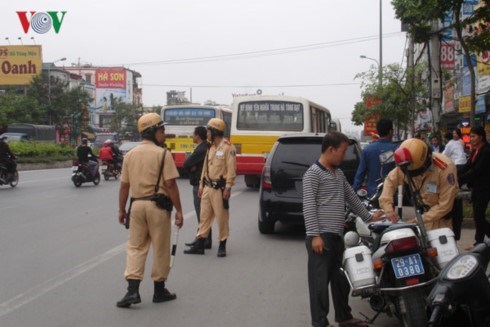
324 197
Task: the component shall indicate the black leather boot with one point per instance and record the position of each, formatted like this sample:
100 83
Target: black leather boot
162 294
222 249
208 243
132 296
197 248
191 243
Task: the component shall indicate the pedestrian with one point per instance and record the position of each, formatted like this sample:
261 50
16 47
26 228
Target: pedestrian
376 158
193 165
325 193
149 174
435 145
455 150
217 178
476 173
435 179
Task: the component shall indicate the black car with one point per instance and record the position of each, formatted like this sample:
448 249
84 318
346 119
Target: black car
281 189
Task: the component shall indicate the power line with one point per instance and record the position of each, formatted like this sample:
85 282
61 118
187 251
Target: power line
264 53
250 86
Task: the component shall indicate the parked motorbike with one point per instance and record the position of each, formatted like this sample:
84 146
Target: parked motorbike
393 265
81 174
8 178
109 169
461 296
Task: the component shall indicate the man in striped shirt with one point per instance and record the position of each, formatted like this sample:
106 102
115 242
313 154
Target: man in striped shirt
325 193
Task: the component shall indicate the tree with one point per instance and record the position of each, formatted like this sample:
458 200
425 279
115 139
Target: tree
420 14
17 108
393 96
125 119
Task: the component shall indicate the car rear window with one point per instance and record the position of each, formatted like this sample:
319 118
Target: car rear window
300 153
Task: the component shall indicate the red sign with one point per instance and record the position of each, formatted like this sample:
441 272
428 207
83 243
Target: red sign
447 55
370 126
110 79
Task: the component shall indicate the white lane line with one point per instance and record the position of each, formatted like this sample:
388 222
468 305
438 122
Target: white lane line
49 285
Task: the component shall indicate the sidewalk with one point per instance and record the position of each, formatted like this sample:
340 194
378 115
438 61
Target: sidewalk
467 234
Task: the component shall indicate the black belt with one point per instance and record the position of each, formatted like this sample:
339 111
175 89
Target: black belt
213 184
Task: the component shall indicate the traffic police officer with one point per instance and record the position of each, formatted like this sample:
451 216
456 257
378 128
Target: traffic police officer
434 176
217 178
149 224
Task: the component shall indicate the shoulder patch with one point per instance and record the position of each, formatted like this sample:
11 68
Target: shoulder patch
439 163
451 179
233 153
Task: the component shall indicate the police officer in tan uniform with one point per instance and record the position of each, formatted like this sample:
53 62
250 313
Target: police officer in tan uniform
434 176
217 178
148 223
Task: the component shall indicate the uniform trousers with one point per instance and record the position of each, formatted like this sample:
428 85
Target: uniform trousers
480 203
212 206
149 225
323 270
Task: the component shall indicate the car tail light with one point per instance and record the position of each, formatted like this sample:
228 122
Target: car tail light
412 281
266 178
402 244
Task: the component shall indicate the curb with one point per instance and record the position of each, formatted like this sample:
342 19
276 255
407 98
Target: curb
44 165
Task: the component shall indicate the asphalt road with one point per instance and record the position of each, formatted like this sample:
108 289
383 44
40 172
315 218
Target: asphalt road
62 257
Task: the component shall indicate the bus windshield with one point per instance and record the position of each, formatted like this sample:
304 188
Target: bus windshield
270 116
188 116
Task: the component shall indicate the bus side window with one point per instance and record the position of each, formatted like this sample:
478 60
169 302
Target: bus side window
314 120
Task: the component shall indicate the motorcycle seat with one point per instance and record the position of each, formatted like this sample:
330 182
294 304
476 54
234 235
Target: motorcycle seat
378 227
390 227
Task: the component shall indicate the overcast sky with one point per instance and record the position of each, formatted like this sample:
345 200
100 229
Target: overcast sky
152 36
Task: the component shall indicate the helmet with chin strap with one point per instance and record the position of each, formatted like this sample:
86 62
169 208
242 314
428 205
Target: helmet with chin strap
216 126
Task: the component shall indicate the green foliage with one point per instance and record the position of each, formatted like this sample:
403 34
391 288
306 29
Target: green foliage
41 152
125 119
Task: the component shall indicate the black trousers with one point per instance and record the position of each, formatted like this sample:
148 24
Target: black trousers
323 270
480 203
197 201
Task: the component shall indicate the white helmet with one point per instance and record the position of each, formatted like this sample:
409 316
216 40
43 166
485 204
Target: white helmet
351 239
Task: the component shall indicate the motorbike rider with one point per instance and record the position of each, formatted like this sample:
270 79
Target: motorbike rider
7 157
106 153
116 154
86 156
434 178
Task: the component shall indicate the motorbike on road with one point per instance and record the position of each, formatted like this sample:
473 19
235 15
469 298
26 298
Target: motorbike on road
109 169
81 174
461 296
8 178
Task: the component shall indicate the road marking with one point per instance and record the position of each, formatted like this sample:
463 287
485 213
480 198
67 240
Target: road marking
49 285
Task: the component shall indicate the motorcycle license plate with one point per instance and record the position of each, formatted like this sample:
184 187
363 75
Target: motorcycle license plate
407 266
74 169
103 167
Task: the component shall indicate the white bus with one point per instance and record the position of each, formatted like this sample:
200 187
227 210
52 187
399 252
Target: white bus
181 121
258 121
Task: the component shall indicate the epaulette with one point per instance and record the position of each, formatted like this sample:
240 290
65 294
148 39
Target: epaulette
439 163
227 142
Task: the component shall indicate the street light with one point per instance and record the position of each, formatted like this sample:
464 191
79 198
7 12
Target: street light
380 77
49 85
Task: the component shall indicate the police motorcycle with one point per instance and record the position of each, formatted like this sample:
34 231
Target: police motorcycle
109 169
461 296
81 173
394 265
7 177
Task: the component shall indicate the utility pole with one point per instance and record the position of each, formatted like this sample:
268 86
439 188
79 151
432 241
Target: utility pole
411 67
435 76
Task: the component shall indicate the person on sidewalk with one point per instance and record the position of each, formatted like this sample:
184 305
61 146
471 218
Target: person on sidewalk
476 173
325 193
376 158
217 178
149 170
193 165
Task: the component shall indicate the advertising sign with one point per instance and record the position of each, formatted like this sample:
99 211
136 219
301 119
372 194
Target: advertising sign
447 56
465 104
110 78
19 64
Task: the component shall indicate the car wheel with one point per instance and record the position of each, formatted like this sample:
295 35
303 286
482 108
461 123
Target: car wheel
266 226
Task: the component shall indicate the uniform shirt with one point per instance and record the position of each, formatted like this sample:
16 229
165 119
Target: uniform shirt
220 161
455 151
141 166
438 188
324 197
371 158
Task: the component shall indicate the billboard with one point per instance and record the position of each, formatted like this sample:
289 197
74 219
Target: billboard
19 64
107 78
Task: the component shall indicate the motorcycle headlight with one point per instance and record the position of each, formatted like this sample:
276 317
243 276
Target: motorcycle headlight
462 267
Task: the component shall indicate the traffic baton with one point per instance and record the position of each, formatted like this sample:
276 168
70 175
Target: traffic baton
174 238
